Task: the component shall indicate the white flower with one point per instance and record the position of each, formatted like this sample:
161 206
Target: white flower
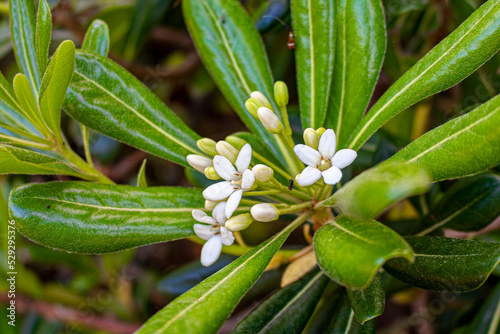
237 180
214 231
324 161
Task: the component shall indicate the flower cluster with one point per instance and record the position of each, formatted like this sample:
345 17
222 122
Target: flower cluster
231 160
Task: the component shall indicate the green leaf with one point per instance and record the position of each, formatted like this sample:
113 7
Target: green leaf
373 191
232 51
43 34
146 14
97 38
465 145
11 112
297 301
28 102
360 48
451 61
351 251
445 264
204 308
344 321
368 303
92 218
314 31
108 99
487 319
141 177
21 161
469 205
23 30
55 82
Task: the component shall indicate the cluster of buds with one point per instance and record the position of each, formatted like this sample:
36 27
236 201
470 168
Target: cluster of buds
230 161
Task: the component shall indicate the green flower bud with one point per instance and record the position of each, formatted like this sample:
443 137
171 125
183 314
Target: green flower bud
207 146
239 222
211 174
262 173
281 93
252 105
236 141
320 131
311 138
227 150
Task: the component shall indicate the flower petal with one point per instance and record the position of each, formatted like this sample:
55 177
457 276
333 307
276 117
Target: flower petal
307 155
211 250
244 158
219 213
309 176
225 168
202 217
248 180
232 203
332 175
198 162
327 144
227 236
218 191
203 231
344 158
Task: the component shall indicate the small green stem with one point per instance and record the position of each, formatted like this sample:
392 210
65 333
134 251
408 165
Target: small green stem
261 193
86 146
295 208
284 113
286 152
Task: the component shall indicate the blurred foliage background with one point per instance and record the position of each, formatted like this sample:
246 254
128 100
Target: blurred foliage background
59 292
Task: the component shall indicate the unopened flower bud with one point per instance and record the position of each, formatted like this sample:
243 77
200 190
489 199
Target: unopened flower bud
252 105
198 162
207 146
262 173
237 142
311 138
281 93
227 150
210 205
264 212
320 131
211 174
261 98
239 222
270 121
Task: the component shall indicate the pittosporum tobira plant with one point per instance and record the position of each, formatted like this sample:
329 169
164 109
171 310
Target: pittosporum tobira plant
266 175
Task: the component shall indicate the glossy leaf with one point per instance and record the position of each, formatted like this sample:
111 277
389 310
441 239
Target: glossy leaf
232 51
344 321
359 53
204 308
465 145
55 82
10 110
487 319
371 192
21 161
23 30
141 177
314 31
469 205
351 251
108 99
288 310
97 38
28 102
43 34
445 264
93 218
368 303
146 14
451 61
